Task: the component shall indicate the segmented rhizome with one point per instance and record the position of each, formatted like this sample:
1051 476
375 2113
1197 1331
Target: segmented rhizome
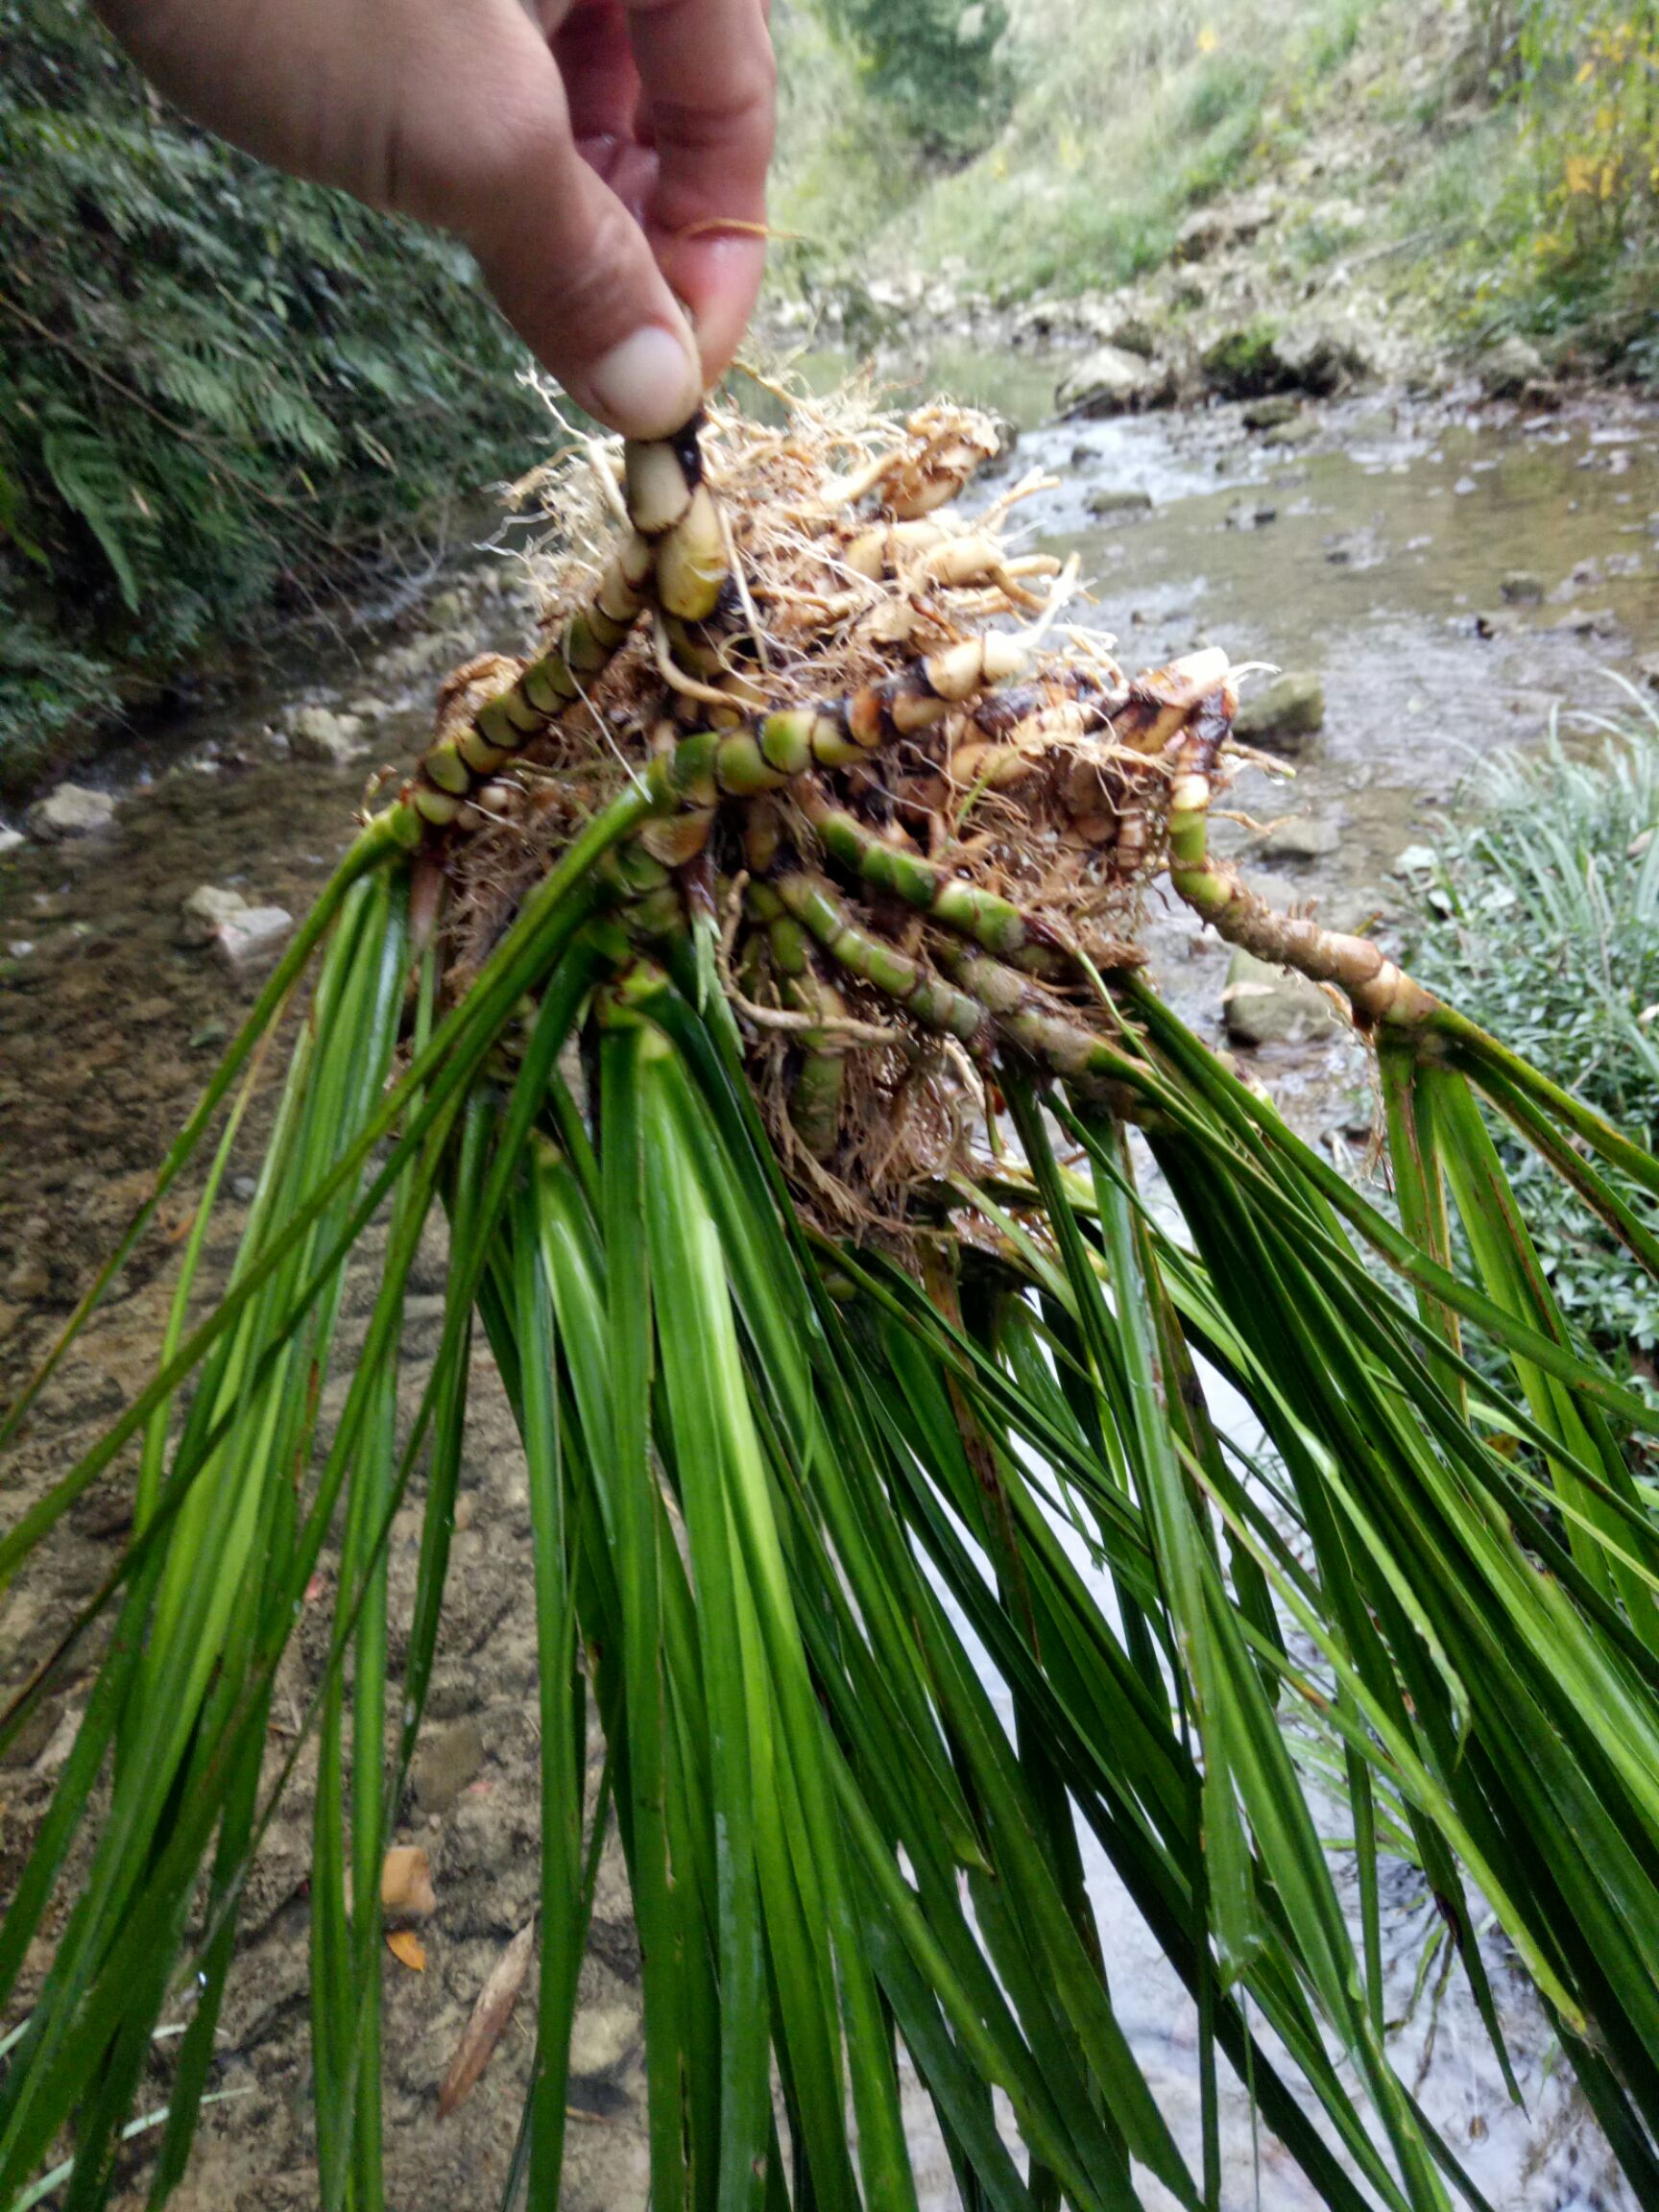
907 801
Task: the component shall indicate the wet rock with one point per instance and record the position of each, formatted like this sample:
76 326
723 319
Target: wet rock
603 2036
1647 671
1266 1005
1501 622
1272 414
1522 588
1283 437
1361 548
1263 359
1244 362
1133 335
69 811
1303 838
1511 368
1318 359
1252 515
1284 713
1118 499
447 1759
9 840
1084 457
1110 382
204 913
251 935
1589 622
319 734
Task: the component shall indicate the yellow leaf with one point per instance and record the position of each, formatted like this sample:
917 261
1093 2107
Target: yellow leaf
1208 39
407 1948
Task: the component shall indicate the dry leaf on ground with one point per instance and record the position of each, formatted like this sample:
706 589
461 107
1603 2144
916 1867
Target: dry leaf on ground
406 1883
407 1948
489 2016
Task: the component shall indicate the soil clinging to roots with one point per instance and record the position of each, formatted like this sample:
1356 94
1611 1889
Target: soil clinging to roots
905 800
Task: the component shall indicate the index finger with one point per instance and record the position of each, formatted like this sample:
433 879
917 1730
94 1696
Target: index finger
709 82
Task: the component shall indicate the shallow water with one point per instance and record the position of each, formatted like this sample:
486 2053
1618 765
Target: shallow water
1393 530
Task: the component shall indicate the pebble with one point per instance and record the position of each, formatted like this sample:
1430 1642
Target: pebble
319 734
1284 712
1265 1004
253 932
446 1760
1589 622
1521 588
1272 414
1118 501
69 811
205 911
1304 837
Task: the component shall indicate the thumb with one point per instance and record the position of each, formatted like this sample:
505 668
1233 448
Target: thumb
570 267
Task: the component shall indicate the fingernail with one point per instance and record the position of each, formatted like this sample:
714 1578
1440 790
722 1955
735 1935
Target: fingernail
649 385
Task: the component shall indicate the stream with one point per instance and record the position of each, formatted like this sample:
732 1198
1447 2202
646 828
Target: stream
1371 548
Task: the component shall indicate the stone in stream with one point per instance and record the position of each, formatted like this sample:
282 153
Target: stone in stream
1251 515
1511 368
1284 714
1302 838
1361 548
1118 499
69 811
1112 381
319 734
1589 622
1297 430
1272 414
1266 1004
236 932
1647 671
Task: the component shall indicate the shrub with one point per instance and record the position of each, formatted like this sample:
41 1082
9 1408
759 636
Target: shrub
216 385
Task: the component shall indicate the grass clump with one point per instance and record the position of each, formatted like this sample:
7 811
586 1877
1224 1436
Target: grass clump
1542 920
217 386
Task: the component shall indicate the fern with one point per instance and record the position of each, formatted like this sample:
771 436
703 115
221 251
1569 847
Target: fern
90 480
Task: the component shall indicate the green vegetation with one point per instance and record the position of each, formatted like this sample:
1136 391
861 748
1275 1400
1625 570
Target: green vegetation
1543 197
1496 166
937 65
1542 922
217 387
1121 120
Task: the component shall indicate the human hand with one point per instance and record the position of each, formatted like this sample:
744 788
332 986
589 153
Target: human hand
588 152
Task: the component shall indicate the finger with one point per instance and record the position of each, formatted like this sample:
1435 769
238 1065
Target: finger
601 83
572 271
709 82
